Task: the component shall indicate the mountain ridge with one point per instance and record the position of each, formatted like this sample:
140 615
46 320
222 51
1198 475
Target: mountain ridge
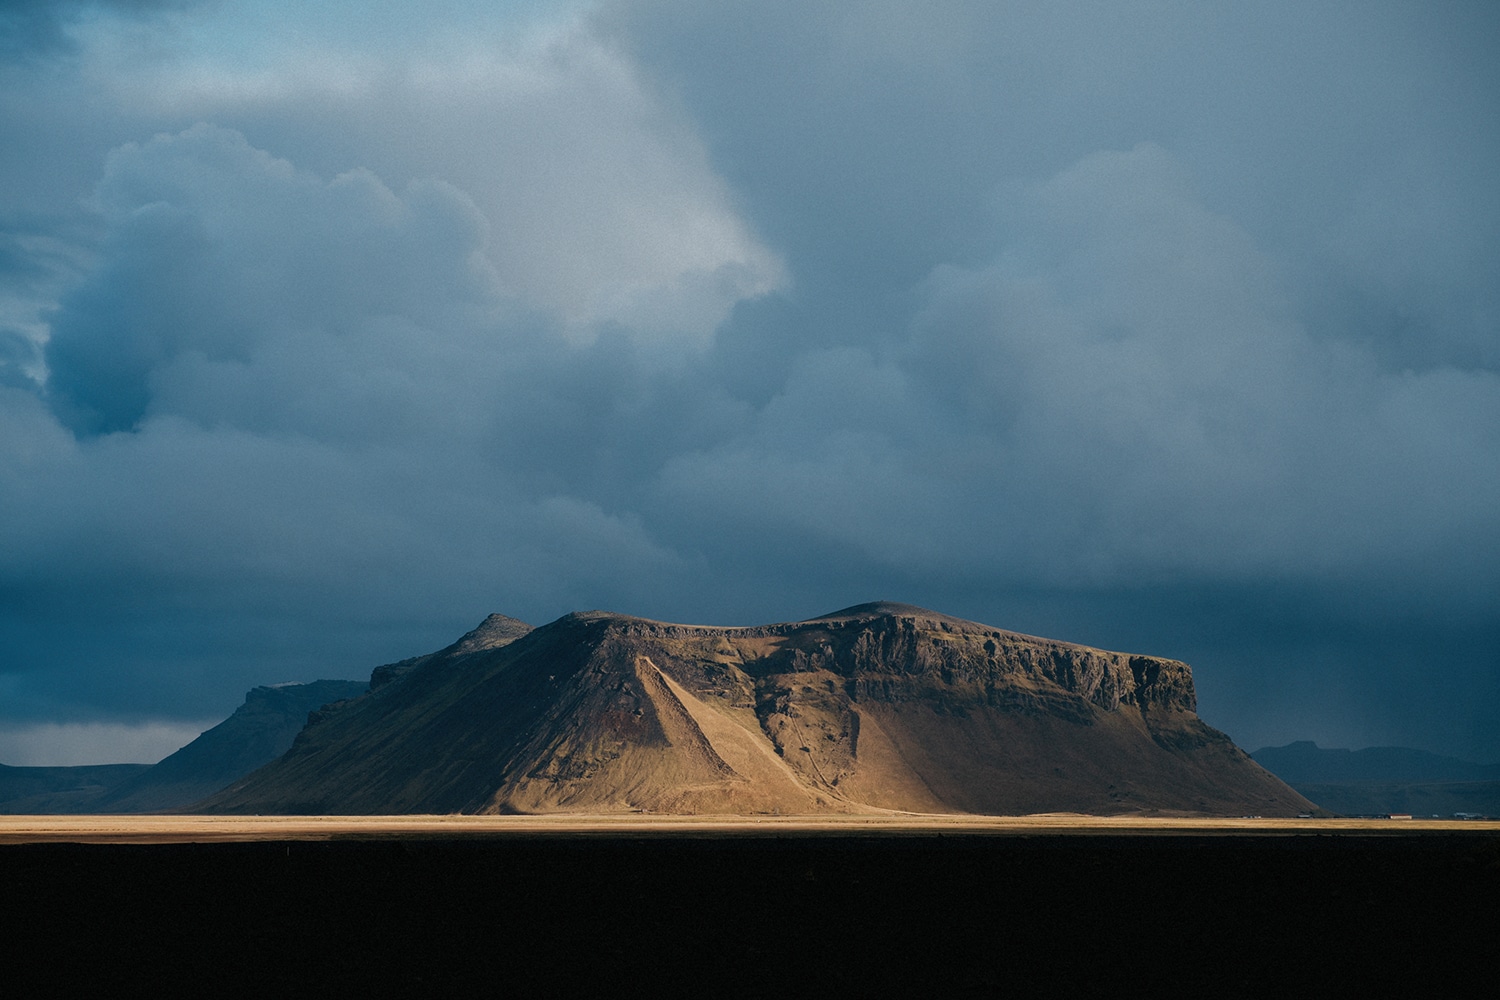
1384 780
1305 761
257 732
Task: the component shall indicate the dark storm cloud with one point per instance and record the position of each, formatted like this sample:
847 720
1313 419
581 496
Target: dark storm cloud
216 248
1192 298
866 141
31 29
18 355
1167 327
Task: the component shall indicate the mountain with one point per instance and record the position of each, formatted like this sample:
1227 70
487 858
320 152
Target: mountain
879 706
492 633
1383 780
39 790
258 732
1305 761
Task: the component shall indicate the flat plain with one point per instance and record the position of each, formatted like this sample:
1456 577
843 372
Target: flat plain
180 829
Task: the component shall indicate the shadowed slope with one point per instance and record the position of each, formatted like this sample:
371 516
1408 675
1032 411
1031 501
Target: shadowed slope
71 789
879 706
258 732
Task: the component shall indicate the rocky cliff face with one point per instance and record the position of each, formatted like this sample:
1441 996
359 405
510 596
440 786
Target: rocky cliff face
879 706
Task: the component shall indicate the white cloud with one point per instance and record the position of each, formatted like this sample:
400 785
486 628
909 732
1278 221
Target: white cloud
603 207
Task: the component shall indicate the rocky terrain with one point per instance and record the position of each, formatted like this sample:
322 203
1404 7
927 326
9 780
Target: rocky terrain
877 707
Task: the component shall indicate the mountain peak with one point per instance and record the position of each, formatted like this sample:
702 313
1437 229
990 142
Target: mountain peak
879 609
495 630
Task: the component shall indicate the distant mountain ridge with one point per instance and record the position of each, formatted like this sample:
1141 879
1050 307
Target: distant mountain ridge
1305 761
72 789
879 706
259 731
1385 780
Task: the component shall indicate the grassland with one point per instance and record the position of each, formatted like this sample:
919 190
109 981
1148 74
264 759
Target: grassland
230 829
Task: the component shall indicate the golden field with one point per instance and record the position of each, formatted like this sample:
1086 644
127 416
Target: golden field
203 829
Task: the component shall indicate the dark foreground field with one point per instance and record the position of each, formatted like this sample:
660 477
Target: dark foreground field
686 914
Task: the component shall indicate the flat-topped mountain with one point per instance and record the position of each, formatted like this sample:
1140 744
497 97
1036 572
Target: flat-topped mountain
878 706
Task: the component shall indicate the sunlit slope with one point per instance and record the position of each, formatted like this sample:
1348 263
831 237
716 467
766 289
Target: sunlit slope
881 706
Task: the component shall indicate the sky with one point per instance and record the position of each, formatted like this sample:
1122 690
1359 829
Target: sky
1165 327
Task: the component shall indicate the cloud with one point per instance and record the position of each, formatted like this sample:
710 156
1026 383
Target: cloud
1158 327
601 204
1137 351
19 359
1122 396
216 248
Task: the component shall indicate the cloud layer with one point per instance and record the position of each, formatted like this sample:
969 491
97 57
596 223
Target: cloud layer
1173 331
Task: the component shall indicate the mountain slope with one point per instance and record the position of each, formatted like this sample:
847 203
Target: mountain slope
880 706
40 790
260 730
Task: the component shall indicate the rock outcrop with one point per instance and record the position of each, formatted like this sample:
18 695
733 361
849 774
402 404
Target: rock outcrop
880 706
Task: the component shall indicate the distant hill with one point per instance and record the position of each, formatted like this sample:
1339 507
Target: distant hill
1305 761
259 731
40 790
1383 780
879 706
